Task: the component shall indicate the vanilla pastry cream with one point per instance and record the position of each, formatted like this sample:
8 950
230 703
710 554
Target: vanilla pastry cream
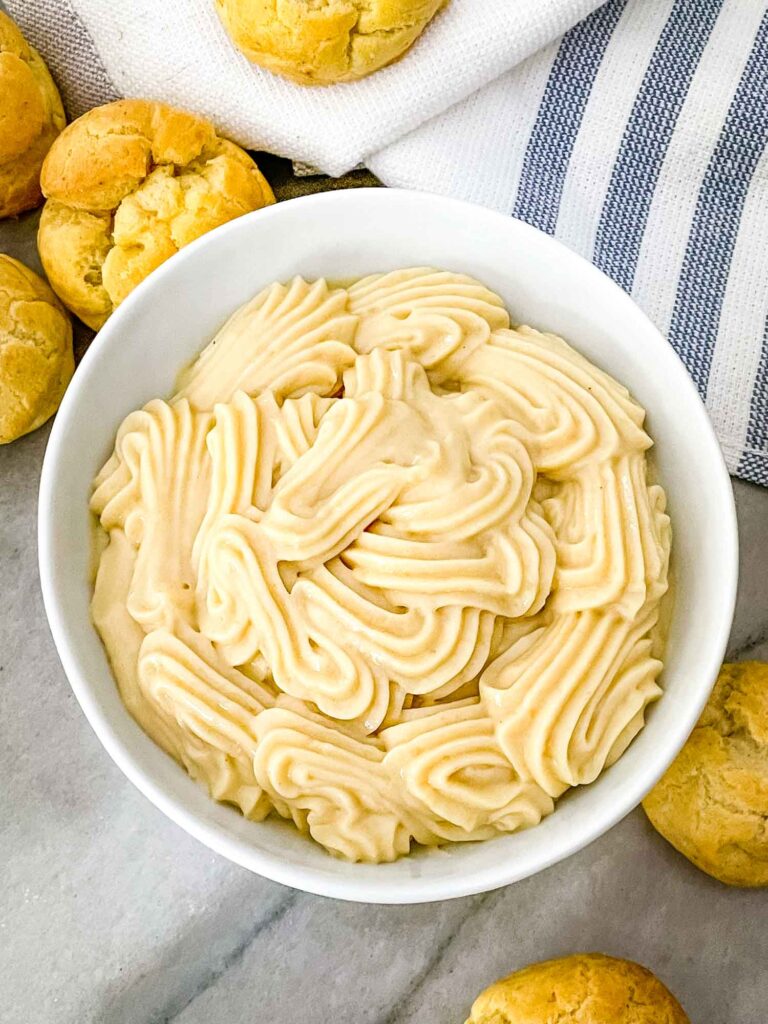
385 565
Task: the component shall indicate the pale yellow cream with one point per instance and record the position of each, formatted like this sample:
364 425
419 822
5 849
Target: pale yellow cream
385 565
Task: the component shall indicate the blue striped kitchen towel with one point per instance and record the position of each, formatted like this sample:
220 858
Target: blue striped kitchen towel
640 140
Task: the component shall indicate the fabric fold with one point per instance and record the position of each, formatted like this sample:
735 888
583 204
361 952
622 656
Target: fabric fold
178 51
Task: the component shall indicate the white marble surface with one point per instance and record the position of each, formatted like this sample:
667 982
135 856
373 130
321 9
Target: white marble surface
110 913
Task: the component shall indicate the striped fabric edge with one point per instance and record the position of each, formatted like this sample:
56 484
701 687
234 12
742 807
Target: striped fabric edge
559 115
647 135
708 261
753 464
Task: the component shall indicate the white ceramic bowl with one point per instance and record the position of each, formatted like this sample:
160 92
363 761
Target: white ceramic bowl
172 315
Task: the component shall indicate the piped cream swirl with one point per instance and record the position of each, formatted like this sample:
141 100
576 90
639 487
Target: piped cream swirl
385 565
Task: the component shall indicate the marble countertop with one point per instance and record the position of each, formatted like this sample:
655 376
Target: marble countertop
110 913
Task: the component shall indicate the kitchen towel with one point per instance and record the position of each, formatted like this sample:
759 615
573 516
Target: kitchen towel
179 52
639 140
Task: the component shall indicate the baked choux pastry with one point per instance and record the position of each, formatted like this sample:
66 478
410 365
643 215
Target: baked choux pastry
128 185
31 116
318 44
586 988
36 360
712 804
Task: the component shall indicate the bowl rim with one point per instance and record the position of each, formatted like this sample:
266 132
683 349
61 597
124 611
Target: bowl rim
373 889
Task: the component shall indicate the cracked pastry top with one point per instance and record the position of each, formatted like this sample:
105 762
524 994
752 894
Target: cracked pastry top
318 42
385 565
129 184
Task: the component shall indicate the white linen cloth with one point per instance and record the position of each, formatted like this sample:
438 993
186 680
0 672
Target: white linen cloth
179 52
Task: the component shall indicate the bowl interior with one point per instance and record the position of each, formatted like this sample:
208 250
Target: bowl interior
173 314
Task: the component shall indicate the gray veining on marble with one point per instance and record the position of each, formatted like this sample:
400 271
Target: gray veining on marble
110 914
